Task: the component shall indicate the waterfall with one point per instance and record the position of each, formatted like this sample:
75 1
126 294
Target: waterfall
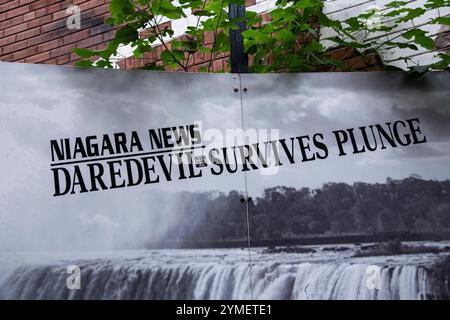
109 279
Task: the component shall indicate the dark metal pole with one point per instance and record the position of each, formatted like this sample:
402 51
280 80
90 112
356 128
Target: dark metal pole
239 60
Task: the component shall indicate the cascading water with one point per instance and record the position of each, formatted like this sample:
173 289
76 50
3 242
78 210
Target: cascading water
215 277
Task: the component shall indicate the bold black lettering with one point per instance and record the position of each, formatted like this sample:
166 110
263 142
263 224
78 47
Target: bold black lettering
58 188
96 177
415 130
341 138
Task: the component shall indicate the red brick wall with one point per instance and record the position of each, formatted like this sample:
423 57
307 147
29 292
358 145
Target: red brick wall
35 31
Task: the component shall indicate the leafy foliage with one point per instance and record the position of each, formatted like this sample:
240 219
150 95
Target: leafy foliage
335 209
134 16
291 41
294 38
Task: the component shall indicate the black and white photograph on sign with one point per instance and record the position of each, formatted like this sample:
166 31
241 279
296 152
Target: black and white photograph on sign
149 185
89 187
359 186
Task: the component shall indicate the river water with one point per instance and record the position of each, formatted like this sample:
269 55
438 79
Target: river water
217 274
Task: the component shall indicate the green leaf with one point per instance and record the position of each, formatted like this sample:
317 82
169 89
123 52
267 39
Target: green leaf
110 21
141 48
418 72
120 9
84 53
189 45
442 20
83 63
303 4
171 58
126 35
103 64
420 38
436 4
354 23
442 64
221 43
167 9
392 68
151 66
313 46
411 14
396 4
351 44
285 35
402 45
325 21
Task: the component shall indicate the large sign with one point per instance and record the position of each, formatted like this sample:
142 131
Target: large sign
101 160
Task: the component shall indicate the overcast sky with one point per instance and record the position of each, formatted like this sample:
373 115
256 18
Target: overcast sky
40 103
309 103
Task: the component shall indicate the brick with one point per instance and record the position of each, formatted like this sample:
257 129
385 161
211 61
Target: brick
16 12
9 5
39 21
265 18
199 57
128 64
217 65
20 45
198 67
91 4
41 4
29 16
38 58
226 65
60 15
100 46
342 53
109 35
25 53
208 37
47 46
34 41
53 26
63 59
101 28
8 57
28 34
102 9
22 2
76 36
92 21
11 22
59 6
90 41
40 12
16 29
13 46
139 63
50 61
74 57
362 62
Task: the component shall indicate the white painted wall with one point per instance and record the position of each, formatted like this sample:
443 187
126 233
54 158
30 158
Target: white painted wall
341 10
344 9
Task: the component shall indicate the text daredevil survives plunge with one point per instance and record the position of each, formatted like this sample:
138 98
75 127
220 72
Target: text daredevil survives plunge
170 154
